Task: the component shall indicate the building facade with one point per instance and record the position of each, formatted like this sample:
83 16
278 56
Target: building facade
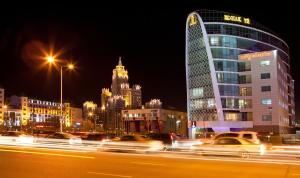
31 114
120 97
154 121
214 41
264 91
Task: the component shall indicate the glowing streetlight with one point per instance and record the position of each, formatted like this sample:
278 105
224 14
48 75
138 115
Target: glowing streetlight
90 113
50 59
70 66
5 106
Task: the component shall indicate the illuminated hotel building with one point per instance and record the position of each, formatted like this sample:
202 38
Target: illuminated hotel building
225 92
23 112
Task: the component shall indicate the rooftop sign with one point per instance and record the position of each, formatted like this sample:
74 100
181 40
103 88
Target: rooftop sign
239 19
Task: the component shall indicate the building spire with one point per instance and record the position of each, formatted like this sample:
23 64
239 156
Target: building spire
120 61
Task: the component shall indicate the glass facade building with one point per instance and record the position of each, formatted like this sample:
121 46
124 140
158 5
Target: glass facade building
214 41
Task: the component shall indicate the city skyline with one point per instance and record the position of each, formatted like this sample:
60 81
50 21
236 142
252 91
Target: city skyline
150 41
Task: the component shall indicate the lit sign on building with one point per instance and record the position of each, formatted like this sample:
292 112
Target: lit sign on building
250 56
239 19
193 20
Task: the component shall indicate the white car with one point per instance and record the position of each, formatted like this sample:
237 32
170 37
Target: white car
248 135
230 146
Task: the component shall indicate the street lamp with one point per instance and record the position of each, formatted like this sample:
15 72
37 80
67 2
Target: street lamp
51 60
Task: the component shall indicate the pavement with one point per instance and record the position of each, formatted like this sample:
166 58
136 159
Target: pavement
25 162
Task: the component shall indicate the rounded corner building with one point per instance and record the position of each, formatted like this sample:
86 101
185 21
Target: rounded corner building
237 76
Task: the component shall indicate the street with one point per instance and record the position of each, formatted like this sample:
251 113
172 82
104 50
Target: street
21 162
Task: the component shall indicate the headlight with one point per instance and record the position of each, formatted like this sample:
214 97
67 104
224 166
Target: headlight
156 146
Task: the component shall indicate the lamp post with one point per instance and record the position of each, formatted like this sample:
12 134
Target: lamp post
51 60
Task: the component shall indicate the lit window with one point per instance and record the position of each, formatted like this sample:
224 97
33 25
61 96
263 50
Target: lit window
266 101
265 63
214 41
231 116
197 92
210 103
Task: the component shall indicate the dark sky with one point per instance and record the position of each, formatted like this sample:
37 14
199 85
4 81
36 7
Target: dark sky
149 37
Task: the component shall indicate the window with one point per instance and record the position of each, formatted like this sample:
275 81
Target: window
265 63
231 116
265 88
267 117
265 75
197 92
210 103
245 91
247 136
245 103
244 66
243 79
214 41
227 78
228 141
266 101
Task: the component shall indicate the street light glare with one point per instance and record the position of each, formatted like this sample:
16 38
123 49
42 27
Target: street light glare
90 114
50 59
71 66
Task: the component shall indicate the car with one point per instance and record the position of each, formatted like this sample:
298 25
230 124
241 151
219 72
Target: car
248 135
230 146
132 143
164 137
66 136
17 136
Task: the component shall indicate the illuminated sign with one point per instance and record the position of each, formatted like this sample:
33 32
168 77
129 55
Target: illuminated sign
193 20
239 19
250 56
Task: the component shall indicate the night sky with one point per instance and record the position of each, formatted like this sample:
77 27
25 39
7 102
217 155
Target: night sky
149 37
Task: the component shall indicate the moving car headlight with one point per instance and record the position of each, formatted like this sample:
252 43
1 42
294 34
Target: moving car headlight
156 146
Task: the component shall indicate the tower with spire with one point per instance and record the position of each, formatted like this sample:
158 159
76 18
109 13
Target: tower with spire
121 90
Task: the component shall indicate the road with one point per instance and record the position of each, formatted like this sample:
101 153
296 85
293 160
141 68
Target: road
16 162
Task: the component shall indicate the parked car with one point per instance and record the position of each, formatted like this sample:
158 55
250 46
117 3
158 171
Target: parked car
230 146
248 135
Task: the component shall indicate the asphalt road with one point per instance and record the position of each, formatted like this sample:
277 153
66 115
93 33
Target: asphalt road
43 163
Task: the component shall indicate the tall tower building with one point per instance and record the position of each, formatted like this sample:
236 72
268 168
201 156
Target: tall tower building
119 79
219 87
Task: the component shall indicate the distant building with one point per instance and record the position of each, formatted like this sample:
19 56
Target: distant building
120 90
26 113
120 97
77 118
89 109
153 103
154 121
